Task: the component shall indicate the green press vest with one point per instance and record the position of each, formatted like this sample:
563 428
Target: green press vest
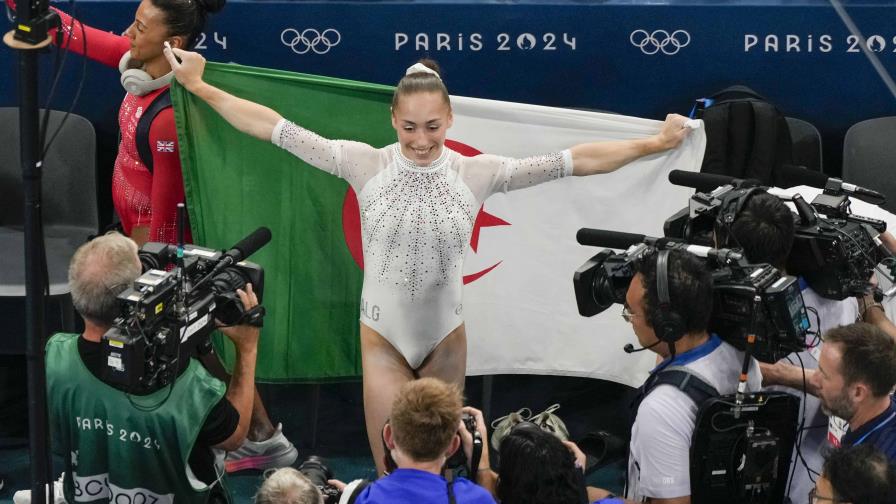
115 452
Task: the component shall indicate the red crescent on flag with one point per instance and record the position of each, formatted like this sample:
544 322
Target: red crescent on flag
351 220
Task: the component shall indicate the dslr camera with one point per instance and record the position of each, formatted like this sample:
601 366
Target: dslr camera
169 313
318 473
458 459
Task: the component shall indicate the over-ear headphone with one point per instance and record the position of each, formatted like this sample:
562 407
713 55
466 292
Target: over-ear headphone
667 324
730 208
136 81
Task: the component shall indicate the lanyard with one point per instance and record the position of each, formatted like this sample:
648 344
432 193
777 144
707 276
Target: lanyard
885 422
691 355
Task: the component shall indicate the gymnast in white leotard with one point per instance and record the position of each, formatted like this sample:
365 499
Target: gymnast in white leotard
416 223
418 203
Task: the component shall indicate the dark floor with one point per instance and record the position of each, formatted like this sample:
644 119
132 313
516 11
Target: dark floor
336 431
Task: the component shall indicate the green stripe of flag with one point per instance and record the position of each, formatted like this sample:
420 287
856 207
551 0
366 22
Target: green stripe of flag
235 183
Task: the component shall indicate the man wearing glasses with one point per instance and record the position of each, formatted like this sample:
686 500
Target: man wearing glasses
658 467
854 475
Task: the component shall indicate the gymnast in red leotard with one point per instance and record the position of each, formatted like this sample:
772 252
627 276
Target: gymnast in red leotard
145 191
147 186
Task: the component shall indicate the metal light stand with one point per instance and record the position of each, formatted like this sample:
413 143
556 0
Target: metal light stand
30 35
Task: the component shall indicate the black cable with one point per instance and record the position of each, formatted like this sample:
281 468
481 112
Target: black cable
799 440
799 437
80 82
868 258
712 422
816 340
149 409
58 63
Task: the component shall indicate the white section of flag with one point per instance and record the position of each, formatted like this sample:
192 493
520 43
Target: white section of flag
521 317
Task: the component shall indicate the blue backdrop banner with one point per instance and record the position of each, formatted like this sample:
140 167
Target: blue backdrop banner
642 60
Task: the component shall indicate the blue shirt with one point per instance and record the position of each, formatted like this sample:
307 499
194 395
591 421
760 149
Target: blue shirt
880 432
412 486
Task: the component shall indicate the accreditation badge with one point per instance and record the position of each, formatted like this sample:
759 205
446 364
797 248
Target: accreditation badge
837 427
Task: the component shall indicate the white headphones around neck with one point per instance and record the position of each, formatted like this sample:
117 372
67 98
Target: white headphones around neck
136 81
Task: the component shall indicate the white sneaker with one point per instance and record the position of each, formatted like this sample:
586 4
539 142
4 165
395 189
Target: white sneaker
24 496
274 452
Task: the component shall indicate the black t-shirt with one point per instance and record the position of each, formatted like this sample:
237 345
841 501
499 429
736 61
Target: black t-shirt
220 423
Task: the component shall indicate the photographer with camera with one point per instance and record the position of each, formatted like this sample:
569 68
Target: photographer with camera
423 431
158 446
669 303
287 486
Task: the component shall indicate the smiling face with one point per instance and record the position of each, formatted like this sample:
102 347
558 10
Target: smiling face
421 121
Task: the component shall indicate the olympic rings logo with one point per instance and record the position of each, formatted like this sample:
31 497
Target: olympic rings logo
660 40
310 40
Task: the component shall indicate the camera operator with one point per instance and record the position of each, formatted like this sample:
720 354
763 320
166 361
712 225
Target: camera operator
855 378
422 433
764 228
669 303
156 446
287 486
853 475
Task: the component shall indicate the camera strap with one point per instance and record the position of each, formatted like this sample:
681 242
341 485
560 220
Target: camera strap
253 316
353 490
475 457
451 498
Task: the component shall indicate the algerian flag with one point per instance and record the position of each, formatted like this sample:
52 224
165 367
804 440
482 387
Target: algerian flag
519 305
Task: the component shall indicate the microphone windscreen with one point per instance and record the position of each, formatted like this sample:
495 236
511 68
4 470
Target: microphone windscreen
702 182
608 239
254 241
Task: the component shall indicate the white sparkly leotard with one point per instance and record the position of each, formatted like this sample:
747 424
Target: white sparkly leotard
416 222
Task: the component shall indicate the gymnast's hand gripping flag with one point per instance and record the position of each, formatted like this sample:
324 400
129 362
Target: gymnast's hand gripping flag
519 307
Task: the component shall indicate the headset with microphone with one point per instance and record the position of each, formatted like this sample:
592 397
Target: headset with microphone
668 325
137 81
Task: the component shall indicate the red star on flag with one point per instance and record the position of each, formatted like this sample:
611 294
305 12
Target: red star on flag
484 219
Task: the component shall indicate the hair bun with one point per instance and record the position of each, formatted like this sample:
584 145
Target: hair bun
211 5
431 64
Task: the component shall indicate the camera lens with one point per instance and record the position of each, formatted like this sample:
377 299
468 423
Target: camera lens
315 469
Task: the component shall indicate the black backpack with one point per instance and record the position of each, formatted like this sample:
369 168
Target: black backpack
746 136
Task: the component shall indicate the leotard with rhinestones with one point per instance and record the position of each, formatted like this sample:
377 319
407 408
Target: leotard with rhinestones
416 222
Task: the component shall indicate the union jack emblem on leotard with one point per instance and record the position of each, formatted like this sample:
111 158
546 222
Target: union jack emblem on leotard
165 146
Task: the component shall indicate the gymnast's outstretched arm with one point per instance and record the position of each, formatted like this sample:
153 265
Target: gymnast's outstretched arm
244 115
602 157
